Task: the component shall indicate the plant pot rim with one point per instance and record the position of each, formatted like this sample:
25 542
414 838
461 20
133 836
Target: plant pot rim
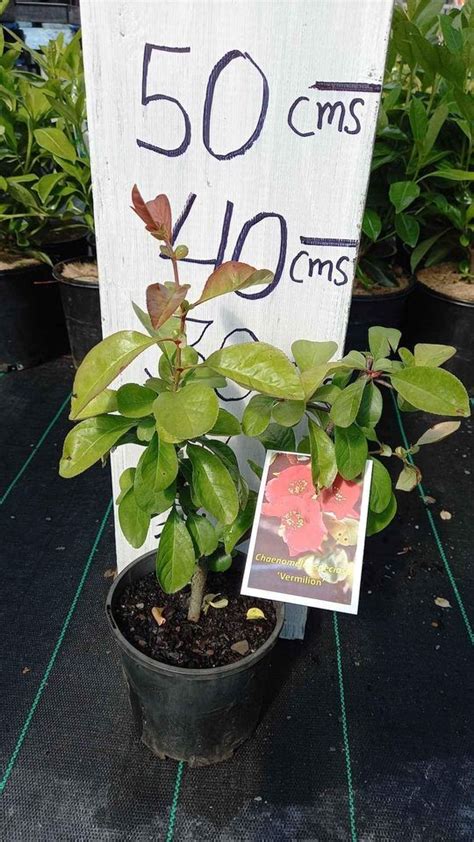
385 296
208 673
75 282
29 267
460 302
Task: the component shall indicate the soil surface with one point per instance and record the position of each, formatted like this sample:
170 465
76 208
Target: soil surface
445 278
200 645
403 281
81 270
15 261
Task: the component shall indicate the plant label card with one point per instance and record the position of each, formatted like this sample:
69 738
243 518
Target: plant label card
307 548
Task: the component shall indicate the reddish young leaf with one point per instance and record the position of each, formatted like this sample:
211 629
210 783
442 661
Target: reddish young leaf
232 276
156 214
162 302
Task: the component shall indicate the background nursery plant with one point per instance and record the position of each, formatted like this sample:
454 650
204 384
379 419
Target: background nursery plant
187 468
44 158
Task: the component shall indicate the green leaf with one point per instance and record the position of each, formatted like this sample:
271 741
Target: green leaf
135 401
407 228
125 482
453 174
288 413
406 356
232 534
304 446
214 485
134 522
327 394
257 469
186 414
418 119
403 193
377 521
382 340
226 425
157 468
432 390
103 364
175 559
203 534
352 360
312 378
219 562
203 374
88 441
381 487
259 366
157 385
433 355
232 276
346 406
452 37
371 406
22 195
104 402
46 184
56 142
371 224
423 248
351 451
257 415
435 125
146 428
438 432
323 456
276 437
309 354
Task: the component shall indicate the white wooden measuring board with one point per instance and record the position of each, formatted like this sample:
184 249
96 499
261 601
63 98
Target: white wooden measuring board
257 118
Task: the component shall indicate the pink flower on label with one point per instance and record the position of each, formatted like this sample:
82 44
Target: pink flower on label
301 522
341 498
294 482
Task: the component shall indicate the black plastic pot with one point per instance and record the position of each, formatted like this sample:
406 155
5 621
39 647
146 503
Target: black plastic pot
434 317
32 327
387 309
58 249
81 304
200 716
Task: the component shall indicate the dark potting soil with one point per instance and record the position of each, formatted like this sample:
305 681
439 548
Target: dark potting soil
200 645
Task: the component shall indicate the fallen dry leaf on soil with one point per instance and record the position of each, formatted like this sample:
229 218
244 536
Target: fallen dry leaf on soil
241 647
441 602
255 614
157 614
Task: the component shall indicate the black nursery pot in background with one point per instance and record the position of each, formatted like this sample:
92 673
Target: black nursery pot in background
200 716
387 309
32 327
434 317
81 304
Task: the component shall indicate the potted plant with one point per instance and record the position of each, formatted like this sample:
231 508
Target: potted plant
416 197
46 195
441 115
195 652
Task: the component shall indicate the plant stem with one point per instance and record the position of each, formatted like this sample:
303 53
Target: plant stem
383 383
175 264
198 583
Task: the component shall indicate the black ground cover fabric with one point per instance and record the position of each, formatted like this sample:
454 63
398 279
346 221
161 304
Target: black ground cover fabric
82 774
